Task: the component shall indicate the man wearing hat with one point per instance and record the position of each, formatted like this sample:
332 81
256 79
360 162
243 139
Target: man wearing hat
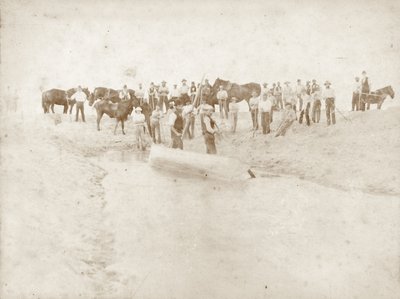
124 94
278 95
152 96
222 97
193 91
175 93
80 97
299 88
306 110
184 91
233 112
206 92
265 108
329 96
365 89
138 120
175 121
264 89
314 86
163 100
356 94
286 92
155 118
316 105
253 103
209 129
188 115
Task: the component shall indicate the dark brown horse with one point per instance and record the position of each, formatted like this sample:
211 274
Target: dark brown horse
241 92
378 96
119 111
59 97
110 94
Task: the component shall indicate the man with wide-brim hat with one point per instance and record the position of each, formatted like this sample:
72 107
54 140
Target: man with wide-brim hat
209 129
163 92
138 120
356 94
233 113
176 124
184 91
328 94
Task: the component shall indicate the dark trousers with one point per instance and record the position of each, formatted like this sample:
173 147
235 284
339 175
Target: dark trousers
316 111
355 102
305 111
209 139
363 100
330 110
265 122
254 118
176 141
80 106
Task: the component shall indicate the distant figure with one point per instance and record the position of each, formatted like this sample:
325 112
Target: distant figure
193 91
209 129
308 87
163 96
329 96
222 97
188 115
289 117
365 89
264 89
184 91
175 122
286 93
356 95
314 86
316 106
253 102
278 95
265 108
175 93
138 120
124 94
139 93
152 96
80 97
299 88
233 113
155 118
273 102
306 107
206 92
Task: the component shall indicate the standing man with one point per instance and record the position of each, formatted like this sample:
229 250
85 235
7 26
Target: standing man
175 122
286 93
356 95
193 90
299 88
316 105
222 97
308 87
155 118
253 102
206 92
184 91
273 102
233 111
264 89
138 120
139 93
175 94
152 96
306 110
329 96
365 89
124 94
265 107
80 97
209 129
314 86
189 119
163 100
278 95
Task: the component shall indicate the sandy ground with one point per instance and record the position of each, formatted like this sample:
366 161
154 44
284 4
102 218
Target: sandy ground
84 216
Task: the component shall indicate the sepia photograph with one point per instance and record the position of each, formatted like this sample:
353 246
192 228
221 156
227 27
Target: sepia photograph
180 149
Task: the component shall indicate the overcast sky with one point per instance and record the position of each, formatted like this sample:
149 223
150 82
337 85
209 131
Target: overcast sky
64 43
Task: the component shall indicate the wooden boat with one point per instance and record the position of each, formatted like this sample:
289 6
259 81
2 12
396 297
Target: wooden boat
203 165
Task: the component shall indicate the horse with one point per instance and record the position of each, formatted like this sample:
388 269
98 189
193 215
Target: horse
378 96
119 111
241 92
54 97
70 92
108 94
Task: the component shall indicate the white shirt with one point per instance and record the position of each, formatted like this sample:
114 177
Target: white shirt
287 92
306 99
175 93
299 88
138 119
356 87
265 105
222 95
184 89
172 118
328 93
187 109
79 96
139 93
254 103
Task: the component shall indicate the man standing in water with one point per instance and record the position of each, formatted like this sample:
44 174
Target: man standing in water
209 129
175 122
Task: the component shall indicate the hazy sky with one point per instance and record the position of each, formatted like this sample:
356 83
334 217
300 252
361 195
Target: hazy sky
65 43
